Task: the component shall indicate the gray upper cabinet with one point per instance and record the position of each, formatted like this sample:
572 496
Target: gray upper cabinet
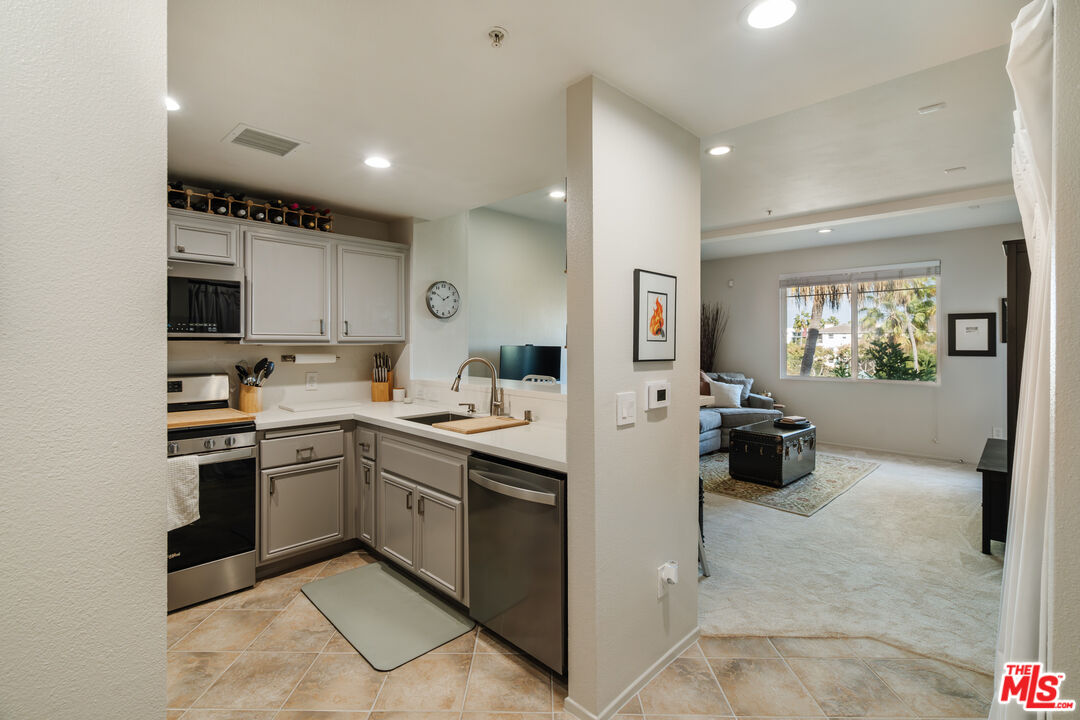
288 285
370 294
203 239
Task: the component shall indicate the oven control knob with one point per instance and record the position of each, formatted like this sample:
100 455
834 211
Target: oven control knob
230 441
208 443
174 448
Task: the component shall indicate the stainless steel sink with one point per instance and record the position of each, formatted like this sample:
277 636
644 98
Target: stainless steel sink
439 417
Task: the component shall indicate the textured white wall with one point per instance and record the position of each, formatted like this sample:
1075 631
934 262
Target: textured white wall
1065 364
440 251
951 420
82 312
518 294
634 188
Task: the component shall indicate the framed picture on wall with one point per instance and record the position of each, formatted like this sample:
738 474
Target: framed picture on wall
654 316
973 334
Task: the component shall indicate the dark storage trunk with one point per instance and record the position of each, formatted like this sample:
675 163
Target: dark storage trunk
770 455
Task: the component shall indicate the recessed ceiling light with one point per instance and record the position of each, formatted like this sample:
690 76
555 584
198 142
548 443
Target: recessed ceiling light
927 109
557 194
958 168
765 14
720 150
171 104
376 161
824 230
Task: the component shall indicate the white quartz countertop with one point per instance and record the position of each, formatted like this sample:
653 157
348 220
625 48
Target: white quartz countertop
539 444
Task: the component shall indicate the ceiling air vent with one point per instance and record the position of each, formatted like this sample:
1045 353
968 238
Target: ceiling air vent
262 140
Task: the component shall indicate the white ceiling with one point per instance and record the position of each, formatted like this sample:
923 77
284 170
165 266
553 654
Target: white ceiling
535 205
466 124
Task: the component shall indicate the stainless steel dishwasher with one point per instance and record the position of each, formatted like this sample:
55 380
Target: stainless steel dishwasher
517 556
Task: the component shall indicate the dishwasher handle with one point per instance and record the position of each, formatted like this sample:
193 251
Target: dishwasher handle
489 482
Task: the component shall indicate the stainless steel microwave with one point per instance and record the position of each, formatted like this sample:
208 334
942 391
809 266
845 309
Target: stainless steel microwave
205 301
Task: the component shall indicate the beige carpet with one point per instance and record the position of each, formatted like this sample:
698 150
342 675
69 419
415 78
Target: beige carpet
832 475
896 557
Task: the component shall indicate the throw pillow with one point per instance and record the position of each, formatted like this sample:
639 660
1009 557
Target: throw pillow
738 379
726 395
703 384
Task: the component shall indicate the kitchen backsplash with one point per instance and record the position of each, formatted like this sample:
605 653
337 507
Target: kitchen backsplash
348 377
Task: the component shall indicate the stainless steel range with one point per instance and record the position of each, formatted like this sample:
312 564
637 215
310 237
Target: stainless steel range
215 554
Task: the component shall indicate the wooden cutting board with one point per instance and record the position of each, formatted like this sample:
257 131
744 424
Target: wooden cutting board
219 416
480 424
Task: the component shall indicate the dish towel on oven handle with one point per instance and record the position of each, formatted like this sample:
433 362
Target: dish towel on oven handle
183 490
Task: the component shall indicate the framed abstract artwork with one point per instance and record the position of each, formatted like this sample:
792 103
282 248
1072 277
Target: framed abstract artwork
654 316
973 334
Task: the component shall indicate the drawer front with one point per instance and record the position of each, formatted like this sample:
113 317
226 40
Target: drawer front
301 449
365 441
427 467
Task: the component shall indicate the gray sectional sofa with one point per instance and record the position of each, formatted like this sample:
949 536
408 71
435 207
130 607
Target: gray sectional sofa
716 423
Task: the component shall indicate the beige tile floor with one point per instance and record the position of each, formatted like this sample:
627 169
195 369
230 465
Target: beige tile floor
268 654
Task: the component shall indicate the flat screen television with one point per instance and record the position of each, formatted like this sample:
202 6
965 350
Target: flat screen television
517 361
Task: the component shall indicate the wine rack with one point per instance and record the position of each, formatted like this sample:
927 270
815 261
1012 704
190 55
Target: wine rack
247 209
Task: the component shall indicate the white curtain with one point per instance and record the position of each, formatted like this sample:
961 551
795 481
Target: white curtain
1022 634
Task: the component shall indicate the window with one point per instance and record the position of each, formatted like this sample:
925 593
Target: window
868 323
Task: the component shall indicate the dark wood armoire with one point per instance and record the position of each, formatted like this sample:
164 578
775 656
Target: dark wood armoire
996 462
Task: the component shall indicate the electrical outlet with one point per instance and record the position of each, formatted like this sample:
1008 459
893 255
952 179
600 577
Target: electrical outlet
311 381
667 574
999 433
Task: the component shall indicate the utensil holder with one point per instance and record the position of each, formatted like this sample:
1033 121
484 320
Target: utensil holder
383 391
250 399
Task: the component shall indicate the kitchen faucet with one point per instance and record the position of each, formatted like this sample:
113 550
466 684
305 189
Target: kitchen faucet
496 391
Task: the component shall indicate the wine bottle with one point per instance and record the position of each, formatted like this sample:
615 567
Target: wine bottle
324 220
292 215
218 203
276 213
177 195
199 203
310 213
237 206
258 212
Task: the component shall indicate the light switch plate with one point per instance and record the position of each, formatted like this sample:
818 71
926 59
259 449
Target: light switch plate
625 408
311 381
657 394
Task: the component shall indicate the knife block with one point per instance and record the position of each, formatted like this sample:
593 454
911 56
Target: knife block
383 391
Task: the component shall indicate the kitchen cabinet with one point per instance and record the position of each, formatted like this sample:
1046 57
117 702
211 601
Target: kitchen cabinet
397 519
203 239
366 502
288 286
301 508
422 512
370 294
439 540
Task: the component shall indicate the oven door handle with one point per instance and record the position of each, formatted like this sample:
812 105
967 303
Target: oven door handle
226 456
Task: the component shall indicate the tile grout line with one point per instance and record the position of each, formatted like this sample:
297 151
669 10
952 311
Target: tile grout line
468 677
797 678
716 679
889 687
181 638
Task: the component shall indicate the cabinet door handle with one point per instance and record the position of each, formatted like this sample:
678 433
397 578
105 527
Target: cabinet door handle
367 475
310 454
408 500
322 326
420 505
271 484
346 327
365 446
180 248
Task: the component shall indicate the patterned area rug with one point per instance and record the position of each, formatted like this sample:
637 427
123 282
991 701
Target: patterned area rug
833 476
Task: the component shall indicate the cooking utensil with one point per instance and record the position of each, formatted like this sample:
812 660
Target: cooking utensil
257 370
243 373
267 372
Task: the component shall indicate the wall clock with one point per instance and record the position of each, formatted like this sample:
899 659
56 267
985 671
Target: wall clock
443 299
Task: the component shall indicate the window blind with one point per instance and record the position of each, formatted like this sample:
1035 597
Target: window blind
862 275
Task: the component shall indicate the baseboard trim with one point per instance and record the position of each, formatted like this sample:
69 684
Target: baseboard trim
575 709
939 458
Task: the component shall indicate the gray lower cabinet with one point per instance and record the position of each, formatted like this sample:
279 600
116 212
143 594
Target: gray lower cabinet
397 519
301 508
366 502
440 534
